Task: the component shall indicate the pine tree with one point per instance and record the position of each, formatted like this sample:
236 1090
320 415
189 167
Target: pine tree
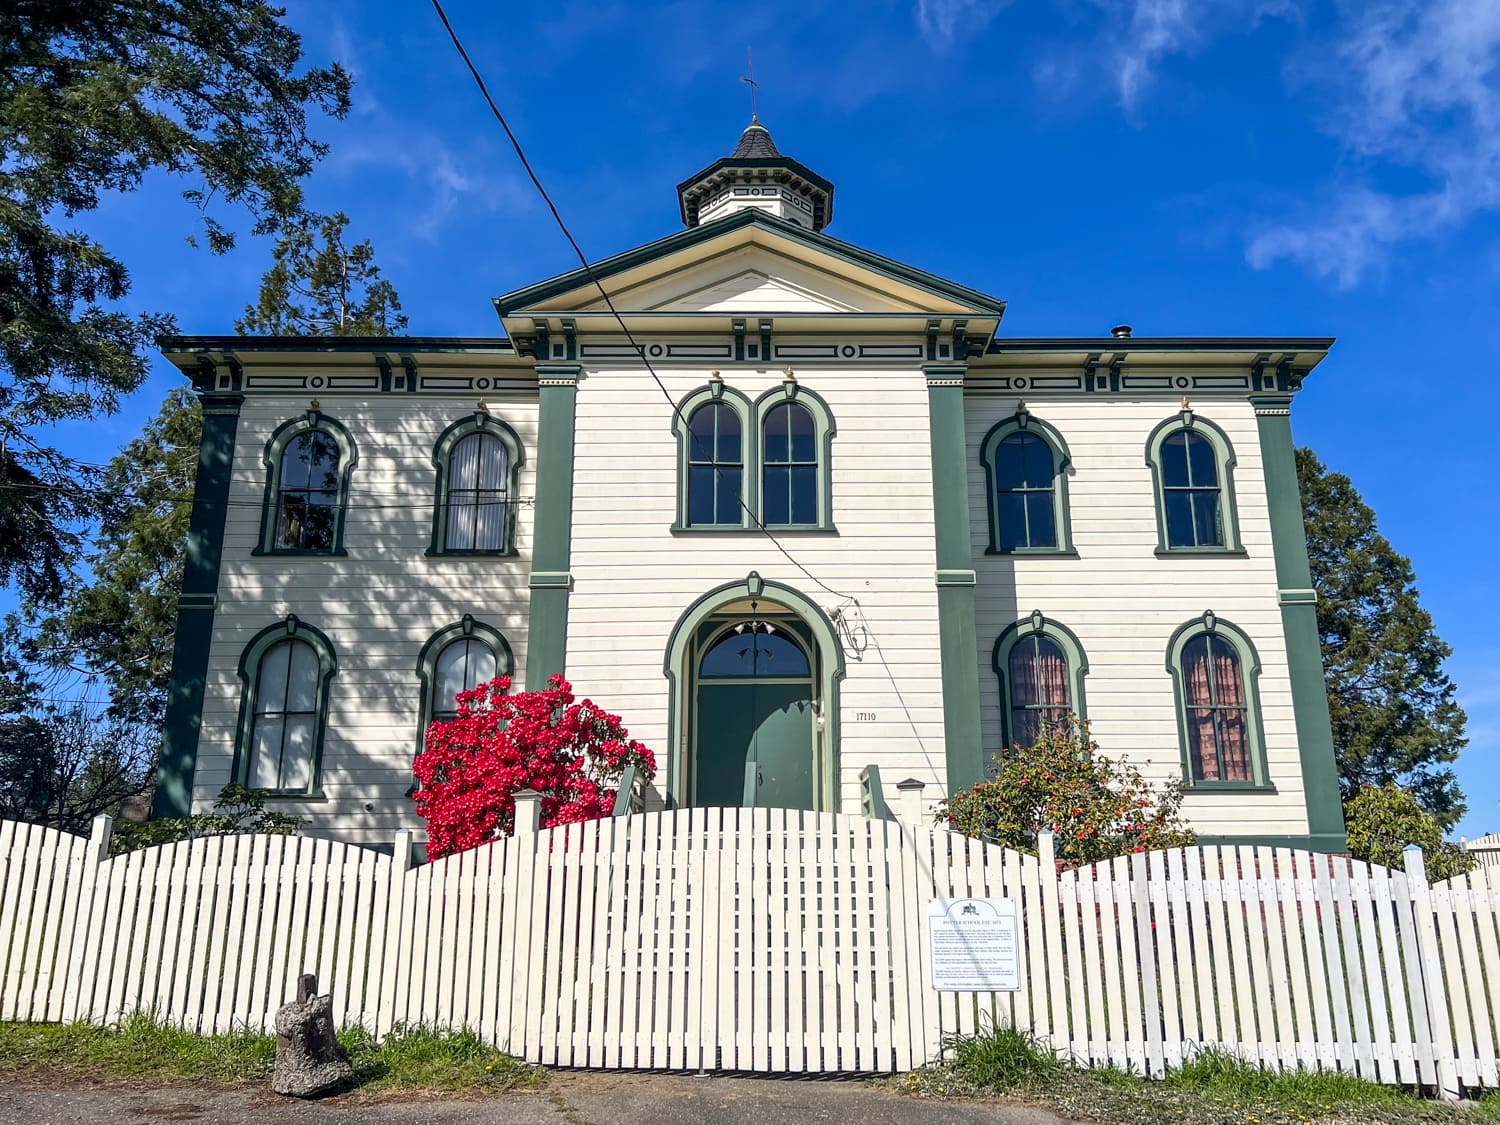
1395 716
320 286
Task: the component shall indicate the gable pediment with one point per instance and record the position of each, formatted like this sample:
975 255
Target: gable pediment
751 264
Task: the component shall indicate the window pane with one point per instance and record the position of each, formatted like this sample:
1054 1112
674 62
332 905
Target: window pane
1025 726
1197 686
1203 751
270 685
777 499
1228 687
778 438
317 533
463 466
1179 506
452 673
323 461
489 524
805 494
1023 675
481 665
700 494
1042 523
292 521
296 757
729 435
727 486
1036 456
1174 461
1010 462
265 753
302 684
803 444
459 534
1051 674
1011 516
296 462
1234 746
701 433
755 654
1202 464
1208 525
492 462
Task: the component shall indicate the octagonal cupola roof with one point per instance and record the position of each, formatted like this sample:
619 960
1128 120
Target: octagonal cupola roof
756 176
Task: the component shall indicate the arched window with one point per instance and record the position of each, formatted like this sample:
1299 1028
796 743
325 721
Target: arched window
796 431
716 466
755 650
474 512
1214 667
1041 667
285 672
308 462
1026 463
1192 463
714 489
458 658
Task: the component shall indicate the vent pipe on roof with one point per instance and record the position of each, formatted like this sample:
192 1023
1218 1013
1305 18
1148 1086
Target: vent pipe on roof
1120 332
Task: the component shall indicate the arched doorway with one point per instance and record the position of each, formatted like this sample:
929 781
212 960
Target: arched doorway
755 739
754 668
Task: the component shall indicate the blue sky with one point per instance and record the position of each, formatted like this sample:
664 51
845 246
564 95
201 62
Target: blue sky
1218 168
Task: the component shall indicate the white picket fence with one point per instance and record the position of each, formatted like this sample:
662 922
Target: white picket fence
765 940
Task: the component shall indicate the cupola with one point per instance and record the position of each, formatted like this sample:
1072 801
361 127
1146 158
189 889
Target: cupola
756 176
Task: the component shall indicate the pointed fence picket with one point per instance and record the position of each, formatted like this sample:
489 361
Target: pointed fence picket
767 940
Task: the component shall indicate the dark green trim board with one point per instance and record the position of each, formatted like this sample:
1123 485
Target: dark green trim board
1223 449
1239 640
955 579
195 608
828 676
552 523
1062 461
249 671
276 445
505 663
544 291
1033 626
480 422
1299 620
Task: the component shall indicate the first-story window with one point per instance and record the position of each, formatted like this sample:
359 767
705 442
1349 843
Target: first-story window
461 666
1039 692
286 671
1217 718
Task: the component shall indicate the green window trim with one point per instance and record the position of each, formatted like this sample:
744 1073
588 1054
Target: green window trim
480 422
290 628
824 431
717 391
1062 460
1211 624
1224 459
280 438
1037 625
467 629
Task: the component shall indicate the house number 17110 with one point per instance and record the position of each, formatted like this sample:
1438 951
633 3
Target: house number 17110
864 716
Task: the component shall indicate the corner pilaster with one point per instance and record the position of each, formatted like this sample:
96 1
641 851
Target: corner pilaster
1299 621
955 577
552 530
195 608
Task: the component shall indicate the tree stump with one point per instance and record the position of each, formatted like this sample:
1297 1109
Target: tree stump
309 1060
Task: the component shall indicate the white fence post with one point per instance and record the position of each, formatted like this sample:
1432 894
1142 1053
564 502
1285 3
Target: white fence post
1434 992
392 932
84 962
909 802
528 812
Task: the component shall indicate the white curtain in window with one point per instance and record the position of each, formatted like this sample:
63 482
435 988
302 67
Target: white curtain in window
461 666
286 701
477 471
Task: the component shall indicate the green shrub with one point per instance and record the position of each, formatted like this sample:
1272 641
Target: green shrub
999 1057
1383 820
238 810
1096 807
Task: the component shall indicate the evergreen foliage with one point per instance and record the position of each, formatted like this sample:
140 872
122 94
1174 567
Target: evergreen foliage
1382 821
237 811
1394 713
320 286
94 96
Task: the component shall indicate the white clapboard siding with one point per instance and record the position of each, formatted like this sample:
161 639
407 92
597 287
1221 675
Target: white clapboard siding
767 940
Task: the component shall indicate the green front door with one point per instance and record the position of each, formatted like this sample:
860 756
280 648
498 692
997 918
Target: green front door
755 719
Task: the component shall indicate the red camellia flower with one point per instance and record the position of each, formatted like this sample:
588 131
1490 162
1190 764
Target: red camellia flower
571 752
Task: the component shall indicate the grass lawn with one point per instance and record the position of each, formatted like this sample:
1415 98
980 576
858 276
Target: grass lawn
412 1059
1211 1089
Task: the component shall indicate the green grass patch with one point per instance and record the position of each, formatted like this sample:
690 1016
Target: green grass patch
409 1058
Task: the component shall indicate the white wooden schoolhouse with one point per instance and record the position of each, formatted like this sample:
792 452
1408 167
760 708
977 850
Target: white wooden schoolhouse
855 525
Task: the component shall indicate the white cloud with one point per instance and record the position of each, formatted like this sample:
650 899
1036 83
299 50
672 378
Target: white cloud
940 21
1415 85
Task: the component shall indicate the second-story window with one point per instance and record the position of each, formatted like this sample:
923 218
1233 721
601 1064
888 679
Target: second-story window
716 466
789 495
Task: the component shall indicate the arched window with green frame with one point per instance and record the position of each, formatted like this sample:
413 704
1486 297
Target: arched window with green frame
715 492
477 459
1192 469
285 673
455 659
308 462
1215 673
1040 665
796 451
1026 463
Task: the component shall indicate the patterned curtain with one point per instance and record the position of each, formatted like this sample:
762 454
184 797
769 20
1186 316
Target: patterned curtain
1217 723
1039 691
1234 740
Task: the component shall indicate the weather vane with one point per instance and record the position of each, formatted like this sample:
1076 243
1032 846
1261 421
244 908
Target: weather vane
749 79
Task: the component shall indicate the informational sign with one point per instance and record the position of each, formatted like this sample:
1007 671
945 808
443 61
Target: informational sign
975 944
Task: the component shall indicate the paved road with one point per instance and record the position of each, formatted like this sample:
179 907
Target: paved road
568 1099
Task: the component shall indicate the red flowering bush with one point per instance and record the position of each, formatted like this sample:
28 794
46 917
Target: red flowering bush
472 766
1097 808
